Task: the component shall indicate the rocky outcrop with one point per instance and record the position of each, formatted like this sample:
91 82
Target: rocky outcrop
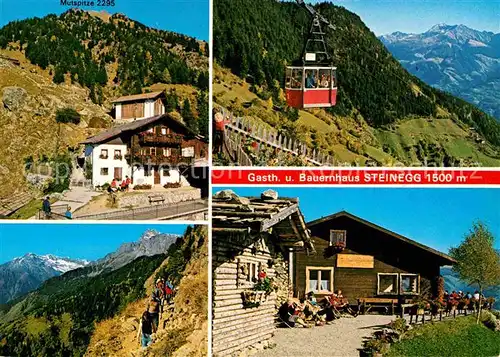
14 98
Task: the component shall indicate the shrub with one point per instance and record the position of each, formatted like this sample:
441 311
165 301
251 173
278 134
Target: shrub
142 187
488 319
68 115
399 327
172 185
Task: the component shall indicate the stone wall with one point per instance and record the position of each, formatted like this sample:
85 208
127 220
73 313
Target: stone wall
282 280
171 195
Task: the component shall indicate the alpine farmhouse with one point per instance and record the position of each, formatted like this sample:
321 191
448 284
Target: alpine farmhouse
374 267
153 150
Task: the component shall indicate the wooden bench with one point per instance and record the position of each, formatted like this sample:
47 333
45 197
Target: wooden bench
365 304
156 199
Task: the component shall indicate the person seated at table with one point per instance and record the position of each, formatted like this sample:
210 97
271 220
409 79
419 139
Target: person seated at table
311 298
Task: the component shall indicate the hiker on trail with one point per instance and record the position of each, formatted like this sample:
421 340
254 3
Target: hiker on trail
169 291
46 207
146 330
68 214
154 312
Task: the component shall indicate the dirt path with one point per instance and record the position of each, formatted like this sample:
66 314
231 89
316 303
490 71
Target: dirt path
341 339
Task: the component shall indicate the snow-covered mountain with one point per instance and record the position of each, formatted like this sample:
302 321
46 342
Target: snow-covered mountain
28 272
454 58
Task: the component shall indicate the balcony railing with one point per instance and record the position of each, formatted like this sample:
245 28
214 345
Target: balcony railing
160 159
160 139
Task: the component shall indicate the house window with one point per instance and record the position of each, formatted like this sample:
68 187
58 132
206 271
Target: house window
338 238
147 171
151 130
118 154
152 151
319 279
409 284
167 152
166 172
104 154
252 272
188 152
163 131
104 171
387 284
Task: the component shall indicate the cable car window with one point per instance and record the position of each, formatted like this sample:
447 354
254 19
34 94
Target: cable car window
296 80
288 83
334 78
311 78
324 78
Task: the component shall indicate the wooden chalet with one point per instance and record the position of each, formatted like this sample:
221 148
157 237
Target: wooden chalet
369 263
251 235
139 106
146 150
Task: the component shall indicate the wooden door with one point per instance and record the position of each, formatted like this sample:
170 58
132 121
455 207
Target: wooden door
157 176
118 173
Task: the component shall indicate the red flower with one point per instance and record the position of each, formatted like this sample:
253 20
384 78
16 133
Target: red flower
255 145
262 274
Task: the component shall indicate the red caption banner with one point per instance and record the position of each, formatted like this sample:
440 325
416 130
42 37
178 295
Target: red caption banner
355 176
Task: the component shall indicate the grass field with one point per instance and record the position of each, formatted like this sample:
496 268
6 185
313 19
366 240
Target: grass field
459 337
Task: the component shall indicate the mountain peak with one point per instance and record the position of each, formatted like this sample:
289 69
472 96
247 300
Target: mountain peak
148 234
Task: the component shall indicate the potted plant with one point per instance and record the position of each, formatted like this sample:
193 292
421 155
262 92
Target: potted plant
419 306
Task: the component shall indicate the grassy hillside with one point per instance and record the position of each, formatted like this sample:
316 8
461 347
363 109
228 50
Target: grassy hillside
460 337
383 113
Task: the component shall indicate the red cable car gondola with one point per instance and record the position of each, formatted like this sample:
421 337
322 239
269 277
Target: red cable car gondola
314 83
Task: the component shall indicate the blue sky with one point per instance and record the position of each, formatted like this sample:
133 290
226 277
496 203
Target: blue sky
438 218
83 241
190 17
416 16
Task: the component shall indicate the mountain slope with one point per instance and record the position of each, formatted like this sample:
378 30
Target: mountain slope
376 95
453 58
58 318
83 61
150 243
186 327
27 273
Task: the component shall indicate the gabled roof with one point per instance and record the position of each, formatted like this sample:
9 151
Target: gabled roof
446 257
133 126
281 216
137 97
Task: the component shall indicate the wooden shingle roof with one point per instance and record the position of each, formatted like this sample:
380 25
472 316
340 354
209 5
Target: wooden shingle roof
268 213
137 97
446 258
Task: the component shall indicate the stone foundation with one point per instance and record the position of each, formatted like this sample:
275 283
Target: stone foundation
171 195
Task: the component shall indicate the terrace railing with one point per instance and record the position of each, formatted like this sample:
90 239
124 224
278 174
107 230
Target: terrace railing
239 129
